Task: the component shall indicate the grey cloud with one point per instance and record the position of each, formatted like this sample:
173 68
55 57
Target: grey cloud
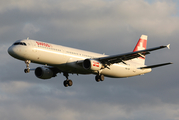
46 106
90 19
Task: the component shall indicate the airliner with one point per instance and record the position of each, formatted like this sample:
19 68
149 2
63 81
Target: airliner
60 59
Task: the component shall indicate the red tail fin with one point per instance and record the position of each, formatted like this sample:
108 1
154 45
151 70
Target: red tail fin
141 45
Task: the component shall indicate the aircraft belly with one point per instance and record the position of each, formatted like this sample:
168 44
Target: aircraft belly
70 69
71 66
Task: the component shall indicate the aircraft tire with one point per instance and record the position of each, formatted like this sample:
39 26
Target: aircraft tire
101 77
70 82
26 70
97 78
65 83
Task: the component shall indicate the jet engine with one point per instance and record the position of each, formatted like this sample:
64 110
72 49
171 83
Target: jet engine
44 73
93 65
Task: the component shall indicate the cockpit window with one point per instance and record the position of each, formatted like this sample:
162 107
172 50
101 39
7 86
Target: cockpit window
20 43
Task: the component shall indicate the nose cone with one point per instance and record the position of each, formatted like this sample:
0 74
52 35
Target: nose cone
18 52
10 51
13 51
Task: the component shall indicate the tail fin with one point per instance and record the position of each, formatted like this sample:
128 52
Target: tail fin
141 45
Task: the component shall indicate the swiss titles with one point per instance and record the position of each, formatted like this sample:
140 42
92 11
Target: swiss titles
43 44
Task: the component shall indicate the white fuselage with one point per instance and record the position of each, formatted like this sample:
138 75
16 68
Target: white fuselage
67 59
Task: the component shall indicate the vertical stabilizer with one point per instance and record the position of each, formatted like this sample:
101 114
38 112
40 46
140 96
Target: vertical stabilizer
141 45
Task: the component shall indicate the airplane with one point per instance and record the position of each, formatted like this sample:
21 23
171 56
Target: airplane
60 59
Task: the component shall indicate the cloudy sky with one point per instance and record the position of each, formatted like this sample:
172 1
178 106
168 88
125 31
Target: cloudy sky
103 26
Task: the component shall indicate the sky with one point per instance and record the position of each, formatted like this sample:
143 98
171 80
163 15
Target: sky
102 26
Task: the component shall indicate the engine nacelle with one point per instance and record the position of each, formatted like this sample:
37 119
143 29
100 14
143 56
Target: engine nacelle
44 73
93 65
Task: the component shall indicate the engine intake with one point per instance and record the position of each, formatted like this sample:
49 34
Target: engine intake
93 65
44 73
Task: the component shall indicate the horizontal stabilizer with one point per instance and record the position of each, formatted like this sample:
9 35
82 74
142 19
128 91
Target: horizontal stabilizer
154 66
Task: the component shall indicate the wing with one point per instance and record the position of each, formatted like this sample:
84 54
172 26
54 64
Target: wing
128 56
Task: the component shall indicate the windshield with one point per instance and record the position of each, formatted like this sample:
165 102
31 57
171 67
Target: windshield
20 43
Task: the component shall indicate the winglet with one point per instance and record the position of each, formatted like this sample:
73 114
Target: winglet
168 46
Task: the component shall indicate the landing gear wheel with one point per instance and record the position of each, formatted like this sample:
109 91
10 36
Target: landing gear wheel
26 70
70 82
99 78
65 83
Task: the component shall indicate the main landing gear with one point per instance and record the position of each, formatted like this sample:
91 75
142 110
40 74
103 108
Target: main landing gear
67 82
99 78
27 70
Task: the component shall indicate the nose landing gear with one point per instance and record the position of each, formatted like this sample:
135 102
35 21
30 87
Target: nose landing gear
67 82
27 70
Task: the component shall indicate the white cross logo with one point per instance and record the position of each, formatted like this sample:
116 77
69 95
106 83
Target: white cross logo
140 47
